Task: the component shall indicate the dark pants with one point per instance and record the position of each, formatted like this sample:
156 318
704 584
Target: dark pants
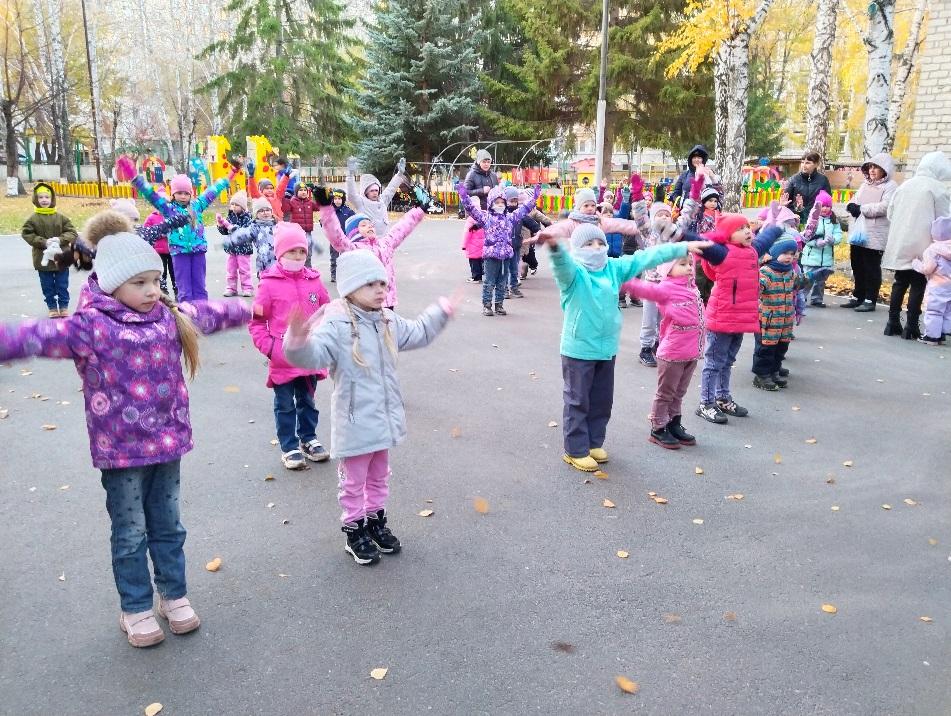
768 359
589 397
493 281
904 280
333 263
530 259
143 505
673 379
55 285
295 414
168 273
190 274
866 272
475 268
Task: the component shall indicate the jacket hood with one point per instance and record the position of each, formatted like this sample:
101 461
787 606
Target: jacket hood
103 302
882 160
935 165
368 180
496 192
698 151
49 188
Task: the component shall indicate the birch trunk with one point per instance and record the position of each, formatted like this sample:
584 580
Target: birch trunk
906 63
880 43
818 106
58 77
721 90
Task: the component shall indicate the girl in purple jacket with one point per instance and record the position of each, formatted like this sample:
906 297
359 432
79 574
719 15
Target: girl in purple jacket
128 340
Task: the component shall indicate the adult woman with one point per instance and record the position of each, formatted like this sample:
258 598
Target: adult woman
802 189
481 179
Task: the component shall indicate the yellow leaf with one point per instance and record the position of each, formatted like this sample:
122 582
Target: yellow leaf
232 389
847 463
552 424
601 474
730 616
777 458
4 413
153 709
698 470
455 432
659 500
910 502
626 685
926 620
932 541
622 554
268 477
481 505
64 487
835 508
607 503
886 507
829 608
49 427
698 521
425 513
672 618
214 565
379 673
274 442
811 441
652 494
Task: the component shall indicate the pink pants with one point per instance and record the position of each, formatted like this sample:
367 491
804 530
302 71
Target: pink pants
239 267
363 484
673 379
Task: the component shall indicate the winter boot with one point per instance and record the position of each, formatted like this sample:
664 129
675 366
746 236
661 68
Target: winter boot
779 380
487 310
677 430
359 544
764 382
851 303
912 331
499 311
783 372
893 327
517 292
646 357
662 437
385 540
865 307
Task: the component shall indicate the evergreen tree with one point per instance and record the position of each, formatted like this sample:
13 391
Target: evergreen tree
421 88
292 65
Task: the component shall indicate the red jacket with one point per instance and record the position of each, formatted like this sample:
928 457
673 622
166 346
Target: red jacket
300 211
276 200
734 301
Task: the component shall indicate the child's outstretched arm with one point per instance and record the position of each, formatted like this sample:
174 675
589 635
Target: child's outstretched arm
563 267
472 209
353 196
165 207
154 232
331 226
213 316
207 197
422 331
656 291
523 211
399 176
635 264
241 238
766 238
46 338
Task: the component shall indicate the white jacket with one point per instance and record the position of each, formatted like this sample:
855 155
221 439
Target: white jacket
912 210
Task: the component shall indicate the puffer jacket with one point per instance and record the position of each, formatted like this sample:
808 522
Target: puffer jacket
828 233
189 239
258 234
378 210
46 224
478 184
276 200
682 331
237 221
498 227
935 263
777 309
808 187
913 208
279 293
871 227
366 408
473 239
300 211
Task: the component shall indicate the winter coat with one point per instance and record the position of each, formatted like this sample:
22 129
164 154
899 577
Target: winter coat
829 233
913 208
237 221
378 210
808 187
301 212
777 307
616 239
383 247
682 332
279 293
498 227
473 239
871 227
161 242
189 239
276 200
366 408
259 234
130 365
478 184
682 185
47 224
935 263
592 325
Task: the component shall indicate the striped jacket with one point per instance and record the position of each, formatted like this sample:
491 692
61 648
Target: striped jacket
777 292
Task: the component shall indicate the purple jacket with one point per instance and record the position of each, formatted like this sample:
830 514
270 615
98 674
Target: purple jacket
130 365
498 227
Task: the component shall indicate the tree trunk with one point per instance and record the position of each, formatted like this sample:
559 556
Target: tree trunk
10 142
59 83
880 43
818 104
721 90
906 63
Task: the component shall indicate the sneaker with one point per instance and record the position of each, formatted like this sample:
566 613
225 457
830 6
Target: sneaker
377 530
294 460
866 307
637 303
508 292
929 341
499 311
600 455
229 292
248 293
621 303
487 310
779 380
851 303
585 464
662 437
711 413
180 615
646 357
730 407
817 304
677 431
359 544
314 451
473 280
141 629
517 292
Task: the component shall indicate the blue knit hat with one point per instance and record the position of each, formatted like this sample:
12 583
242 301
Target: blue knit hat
783 246
351 227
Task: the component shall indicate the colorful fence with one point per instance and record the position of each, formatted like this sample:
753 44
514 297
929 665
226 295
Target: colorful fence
88 188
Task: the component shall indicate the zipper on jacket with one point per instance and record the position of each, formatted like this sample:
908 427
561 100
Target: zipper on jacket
734 290
386 394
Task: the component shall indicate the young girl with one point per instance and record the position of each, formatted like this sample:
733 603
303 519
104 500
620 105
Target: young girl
682 336
264 189
51 236
238 267
358 340
935 263
127 341
818 255
285 287
370 200
472 242
259 234
589 282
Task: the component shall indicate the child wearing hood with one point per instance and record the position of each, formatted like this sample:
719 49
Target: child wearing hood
299 209
818 255
589 282
257 236
343 213
513 199
935 264
238 267
51 235
370 200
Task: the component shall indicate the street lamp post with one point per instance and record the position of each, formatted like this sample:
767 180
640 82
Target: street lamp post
602 99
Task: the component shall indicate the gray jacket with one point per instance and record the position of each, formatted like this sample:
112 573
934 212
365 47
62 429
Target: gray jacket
378 210
366 408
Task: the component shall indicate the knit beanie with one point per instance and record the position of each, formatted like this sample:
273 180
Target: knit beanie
783 246
352 227
181 182
584 233
941 229
120 254
709 193
355 269
657 207
726 226
288 236
126 207
44 190
240 198
265 182
258 204
483 154
582 196
510 193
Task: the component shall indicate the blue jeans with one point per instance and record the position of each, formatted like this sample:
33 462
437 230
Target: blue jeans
718 363
143 505
295 414
512 267
55 285
493 280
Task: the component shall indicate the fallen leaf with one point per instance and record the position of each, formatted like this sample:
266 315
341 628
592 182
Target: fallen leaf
274 442
652 494
698 521
729 616
932 541
26 372
830 479
481 505
910 502
811 441
659 500
283 576
886 507
926 620
455 432
49 427
232 389
736 496
600 474
698 470
829 608
622 554
552 424
153 709
214 565
425 513
270 505
847 463
64 487
62 577
778 459
268 477
563 646
796 408
626 685
607 503
671 618
65 402
379 674
4 413
834 508
453 370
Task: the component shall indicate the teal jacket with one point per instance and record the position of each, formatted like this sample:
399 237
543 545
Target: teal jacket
189 239
592 327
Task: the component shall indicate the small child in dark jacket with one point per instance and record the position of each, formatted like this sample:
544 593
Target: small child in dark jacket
238 268
343 212
51 235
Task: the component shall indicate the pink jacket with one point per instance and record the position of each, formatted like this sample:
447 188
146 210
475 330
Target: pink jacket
279 292
383 246
682 330
473 239
161 246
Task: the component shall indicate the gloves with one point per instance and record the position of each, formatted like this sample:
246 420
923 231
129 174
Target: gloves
125 166
696 186
323 196
423 200
461 191
401 166
352 165
854 209
637 187
250 167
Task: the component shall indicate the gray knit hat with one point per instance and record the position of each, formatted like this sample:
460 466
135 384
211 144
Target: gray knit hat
357 268
584 233
121 256
583 195
483 154
511 192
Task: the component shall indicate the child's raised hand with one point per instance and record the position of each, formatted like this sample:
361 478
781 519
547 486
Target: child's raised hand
697 247
450 304
299 327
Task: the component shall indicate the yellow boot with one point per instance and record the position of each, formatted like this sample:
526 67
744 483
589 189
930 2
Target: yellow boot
599 454
585 464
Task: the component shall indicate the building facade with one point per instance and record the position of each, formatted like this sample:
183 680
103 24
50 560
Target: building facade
931 126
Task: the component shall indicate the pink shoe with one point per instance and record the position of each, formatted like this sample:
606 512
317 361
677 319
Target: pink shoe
180 615
230 292
141 628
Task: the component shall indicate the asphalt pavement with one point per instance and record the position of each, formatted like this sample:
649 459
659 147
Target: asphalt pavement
526 608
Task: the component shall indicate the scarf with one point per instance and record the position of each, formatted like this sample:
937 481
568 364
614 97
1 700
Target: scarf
45 210
584 218
591 258
777 266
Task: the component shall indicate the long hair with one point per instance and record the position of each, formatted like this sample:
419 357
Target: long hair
355 337
187 335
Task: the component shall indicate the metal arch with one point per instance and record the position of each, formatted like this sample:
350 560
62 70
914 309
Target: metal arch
540 141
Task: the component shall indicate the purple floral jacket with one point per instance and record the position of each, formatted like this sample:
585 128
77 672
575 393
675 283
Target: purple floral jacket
130 365
498 227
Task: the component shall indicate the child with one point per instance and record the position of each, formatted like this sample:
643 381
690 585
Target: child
733 308
238 267
259 234
588 282
682 336
343 213
472 242
513 199
187 244
128 341
818 255
161 246
300 209
497 252
265 189
711 201
358 340
51 235
370 200
287 286
935 263
778 283
529 261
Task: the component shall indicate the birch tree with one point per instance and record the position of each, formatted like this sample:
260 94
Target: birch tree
818 104
906 63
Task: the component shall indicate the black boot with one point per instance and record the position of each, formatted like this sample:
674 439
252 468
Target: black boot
866 307
679 434
764 382
359 545
385 540
499 310
851 303
893 327
912 331
662 437
780 380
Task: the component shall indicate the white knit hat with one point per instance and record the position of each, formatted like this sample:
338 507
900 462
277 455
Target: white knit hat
584 233
583 195
121 256
355 269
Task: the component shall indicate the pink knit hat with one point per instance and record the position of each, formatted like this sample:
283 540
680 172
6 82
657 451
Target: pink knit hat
657 207
288 236
823 198
181 182
727 225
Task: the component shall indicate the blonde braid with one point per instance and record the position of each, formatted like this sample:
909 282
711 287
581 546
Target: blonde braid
187 335
388 339
355 337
